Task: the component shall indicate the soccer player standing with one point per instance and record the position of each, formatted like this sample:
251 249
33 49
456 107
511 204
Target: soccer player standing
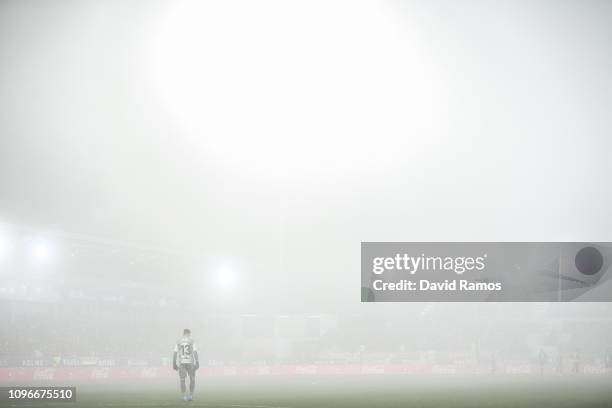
185 361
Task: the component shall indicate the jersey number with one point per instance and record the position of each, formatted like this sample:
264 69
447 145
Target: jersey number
186 349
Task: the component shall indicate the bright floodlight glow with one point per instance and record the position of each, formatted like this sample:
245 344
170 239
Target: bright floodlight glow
40 251
288 85
226 279
3 246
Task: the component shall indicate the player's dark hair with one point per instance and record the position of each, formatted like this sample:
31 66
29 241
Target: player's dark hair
186 331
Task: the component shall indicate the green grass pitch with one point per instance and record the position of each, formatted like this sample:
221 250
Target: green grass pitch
350 392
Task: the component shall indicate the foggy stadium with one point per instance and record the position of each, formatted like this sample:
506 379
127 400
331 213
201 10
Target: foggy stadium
216 165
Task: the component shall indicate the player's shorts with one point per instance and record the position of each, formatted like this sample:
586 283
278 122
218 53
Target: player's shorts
186 369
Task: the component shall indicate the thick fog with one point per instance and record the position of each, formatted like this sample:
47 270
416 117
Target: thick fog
215 165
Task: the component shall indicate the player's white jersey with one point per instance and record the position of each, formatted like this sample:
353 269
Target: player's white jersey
184 350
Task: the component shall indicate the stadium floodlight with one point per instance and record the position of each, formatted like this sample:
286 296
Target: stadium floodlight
40 251
226 279
3 247
296 92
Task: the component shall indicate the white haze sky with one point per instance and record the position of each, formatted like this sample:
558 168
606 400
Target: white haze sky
282 134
